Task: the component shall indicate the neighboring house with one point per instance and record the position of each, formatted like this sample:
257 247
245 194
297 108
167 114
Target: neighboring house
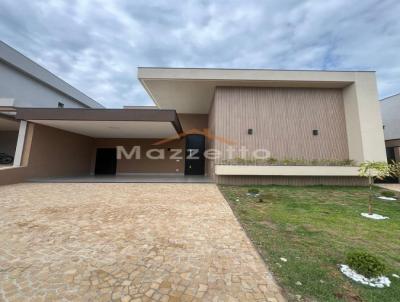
390 109
27 84
310 115
23 83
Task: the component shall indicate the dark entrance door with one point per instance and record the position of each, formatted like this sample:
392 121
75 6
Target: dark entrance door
106 161
194 161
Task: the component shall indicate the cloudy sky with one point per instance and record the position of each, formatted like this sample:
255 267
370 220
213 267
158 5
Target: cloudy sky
97 45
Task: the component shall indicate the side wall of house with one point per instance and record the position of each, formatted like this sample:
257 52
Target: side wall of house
390 108
33 94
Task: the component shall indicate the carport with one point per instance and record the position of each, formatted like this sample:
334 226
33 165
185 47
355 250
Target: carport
104 145
8 139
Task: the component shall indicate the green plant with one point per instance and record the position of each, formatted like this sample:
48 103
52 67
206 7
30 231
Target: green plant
395 169
271 161
372 170
388 194
253 191
266 196
365 264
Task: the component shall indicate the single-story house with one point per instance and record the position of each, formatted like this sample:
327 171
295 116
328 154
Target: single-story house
234 126
390 109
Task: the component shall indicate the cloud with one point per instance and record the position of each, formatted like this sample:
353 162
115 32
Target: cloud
97 45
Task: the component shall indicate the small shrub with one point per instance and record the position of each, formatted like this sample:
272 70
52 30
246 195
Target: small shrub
253 191
266 197
365 264
272 160
388 193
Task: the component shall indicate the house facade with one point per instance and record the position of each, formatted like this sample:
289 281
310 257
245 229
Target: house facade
390 108
232 126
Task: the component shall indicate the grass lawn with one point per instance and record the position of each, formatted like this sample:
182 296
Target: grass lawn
314 228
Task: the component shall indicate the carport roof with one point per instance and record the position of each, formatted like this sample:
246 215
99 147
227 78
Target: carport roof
106 123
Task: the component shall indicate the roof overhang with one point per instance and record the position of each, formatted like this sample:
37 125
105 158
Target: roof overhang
106 123
191 90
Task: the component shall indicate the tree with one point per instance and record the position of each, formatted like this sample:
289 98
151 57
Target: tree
372 170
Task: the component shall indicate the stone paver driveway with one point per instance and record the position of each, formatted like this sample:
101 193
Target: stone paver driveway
126 242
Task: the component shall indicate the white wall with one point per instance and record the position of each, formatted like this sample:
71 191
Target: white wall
28 92
390 110
363 120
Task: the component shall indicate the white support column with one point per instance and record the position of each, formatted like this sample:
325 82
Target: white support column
20 143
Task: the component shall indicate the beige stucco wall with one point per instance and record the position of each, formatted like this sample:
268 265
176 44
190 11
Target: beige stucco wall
193 121
53 152
363 120
49 152
286 170
12 175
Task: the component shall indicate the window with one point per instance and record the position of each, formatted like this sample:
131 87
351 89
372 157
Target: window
60 105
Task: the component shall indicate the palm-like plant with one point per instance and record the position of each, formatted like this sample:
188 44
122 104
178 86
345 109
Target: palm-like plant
372 170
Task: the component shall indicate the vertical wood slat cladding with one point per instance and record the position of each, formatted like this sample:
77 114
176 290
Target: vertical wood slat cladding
282 120
292 180
210 144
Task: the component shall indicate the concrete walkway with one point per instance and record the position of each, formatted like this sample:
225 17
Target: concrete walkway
126 242
393 187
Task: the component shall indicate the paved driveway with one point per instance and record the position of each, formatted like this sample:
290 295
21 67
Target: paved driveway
125 242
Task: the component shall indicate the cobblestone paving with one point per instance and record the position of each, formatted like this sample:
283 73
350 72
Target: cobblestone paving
126 242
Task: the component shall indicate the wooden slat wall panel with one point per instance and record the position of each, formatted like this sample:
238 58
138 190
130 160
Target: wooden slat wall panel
282 120
291 180
210 143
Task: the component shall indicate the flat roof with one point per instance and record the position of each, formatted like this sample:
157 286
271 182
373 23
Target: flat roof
107 123
191 90
270 69
391 97
18 61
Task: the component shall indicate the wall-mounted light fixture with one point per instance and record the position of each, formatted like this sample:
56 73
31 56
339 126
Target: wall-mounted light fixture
249 131
315 132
